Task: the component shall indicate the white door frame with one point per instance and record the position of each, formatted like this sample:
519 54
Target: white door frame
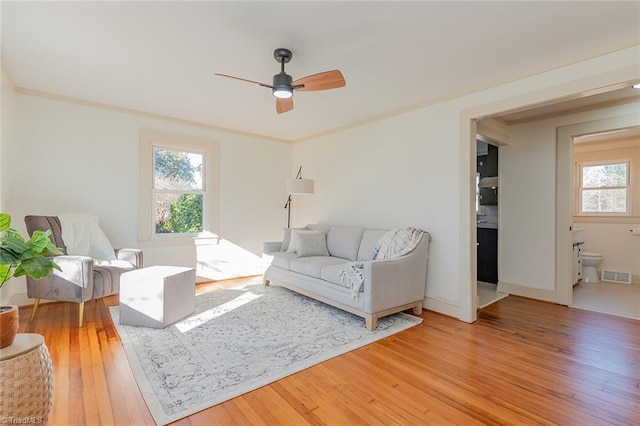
565 196
467 219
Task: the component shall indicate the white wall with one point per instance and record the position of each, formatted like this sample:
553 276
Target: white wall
7 130
621 249
389 174
418 169
68 157
527 252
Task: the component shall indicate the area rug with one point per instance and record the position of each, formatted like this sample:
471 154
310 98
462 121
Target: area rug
239 340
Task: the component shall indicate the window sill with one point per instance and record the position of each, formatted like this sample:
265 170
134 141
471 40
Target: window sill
179 241
606 219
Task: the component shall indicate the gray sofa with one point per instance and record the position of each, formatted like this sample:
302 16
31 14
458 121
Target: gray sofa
390 286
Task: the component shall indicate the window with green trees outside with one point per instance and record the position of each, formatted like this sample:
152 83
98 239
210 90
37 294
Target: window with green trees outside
178 191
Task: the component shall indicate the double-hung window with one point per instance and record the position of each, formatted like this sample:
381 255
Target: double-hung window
178 186
178 191
604 188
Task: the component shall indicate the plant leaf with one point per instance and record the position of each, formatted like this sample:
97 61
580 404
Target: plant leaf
37 267
5 221
5 274
14 241
40 243
19 257
8 257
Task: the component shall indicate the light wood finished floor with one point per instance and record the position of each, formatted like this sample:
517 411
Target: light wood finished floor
522 362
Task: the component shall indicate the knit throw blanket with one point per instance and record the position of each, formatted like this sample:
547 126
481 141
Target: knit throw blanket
394 243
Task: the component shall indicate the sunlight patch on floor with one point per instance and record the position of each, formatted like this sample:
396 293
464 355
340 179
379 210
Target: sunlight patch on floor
197 320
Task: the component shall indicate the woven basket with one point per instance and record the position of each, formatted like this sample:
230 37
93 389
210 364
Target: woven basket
26 387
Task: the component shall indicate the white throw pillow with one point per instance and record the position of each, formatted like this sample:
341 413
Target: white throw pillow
312 243
295 240
286 240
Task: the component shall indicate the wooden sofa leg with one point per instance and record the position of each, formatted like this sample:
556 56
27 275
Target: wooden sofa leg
265 281
371 321
33 311
80 313
417 310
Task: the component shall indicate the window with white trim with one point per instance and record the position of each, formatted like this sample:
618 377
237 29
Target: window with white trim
178 194
604 188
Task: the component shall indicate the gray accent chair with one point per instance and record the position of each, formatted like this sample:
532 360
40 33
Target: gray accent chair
80 280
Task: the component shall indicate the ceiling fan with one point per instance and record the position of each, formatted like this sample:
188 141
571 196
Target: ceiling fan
284 85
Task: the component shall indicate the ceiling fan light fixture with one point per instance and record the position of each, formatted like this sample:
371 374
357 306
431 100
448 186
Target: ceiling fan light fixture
282 86
282 92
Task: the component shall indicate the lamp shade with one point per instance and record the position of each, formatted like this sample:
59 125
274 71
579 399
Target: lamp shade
300 186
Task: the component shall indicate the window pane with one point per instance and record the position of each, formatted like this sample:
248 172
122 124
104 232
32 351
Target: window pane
178 213
177 170
604 175
604 200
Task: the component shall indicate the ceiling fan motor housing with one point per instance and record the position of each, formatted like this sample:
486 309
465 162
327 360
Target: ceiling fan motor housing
282 85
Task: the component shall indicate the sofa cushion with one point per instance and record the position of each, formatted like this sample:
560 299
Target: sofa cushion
312 266
370 238
282 259
311 244
331 273
344 241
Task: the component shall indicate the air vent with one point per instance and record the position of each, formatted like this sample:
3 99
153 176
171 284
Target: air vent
616 276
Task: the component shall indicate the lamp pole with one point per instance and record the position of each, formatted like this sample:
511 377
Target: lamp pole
288 207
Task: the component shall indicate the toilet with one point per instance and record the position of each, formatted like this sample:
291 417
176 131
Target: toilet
590 261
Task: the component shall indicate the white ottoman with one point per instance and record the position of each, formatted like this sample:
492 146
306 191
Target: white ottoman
157 296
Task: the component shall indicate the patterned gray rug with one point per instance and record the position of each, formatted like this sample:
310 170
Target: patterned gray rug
239 340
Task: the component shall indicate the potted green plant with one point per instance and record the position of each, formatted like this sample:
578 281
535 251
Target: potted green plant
18 258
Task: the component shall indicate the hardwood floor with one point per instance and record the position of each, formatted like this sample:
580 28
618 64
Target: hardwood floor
522 362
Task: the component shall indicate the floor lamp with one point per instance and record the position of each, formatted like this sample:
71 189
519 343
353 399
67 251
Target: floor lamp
297 186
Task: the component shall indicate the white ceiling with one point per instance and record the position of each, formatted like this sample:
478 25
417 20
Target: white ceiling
159 57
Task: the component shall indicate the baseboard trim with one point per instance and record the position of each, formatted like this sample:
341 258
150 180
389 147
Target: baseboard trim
530 292
443 307
21 299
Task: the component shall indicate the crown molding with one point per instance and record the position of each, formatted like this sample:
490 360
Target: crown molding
577 58
7 74
99 105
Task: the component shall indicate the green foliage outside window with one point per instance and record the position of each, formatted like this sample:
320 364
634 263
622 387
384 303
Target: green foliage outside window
185 216
178 191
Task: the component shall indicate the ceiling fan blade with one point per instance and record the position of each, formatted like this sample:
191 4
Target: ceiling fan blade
284 105
321 81
244 79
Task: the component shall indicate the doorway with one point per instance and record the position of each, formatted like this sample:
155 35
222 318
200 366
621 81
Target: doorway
565 199
610 157
487 222
560 285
